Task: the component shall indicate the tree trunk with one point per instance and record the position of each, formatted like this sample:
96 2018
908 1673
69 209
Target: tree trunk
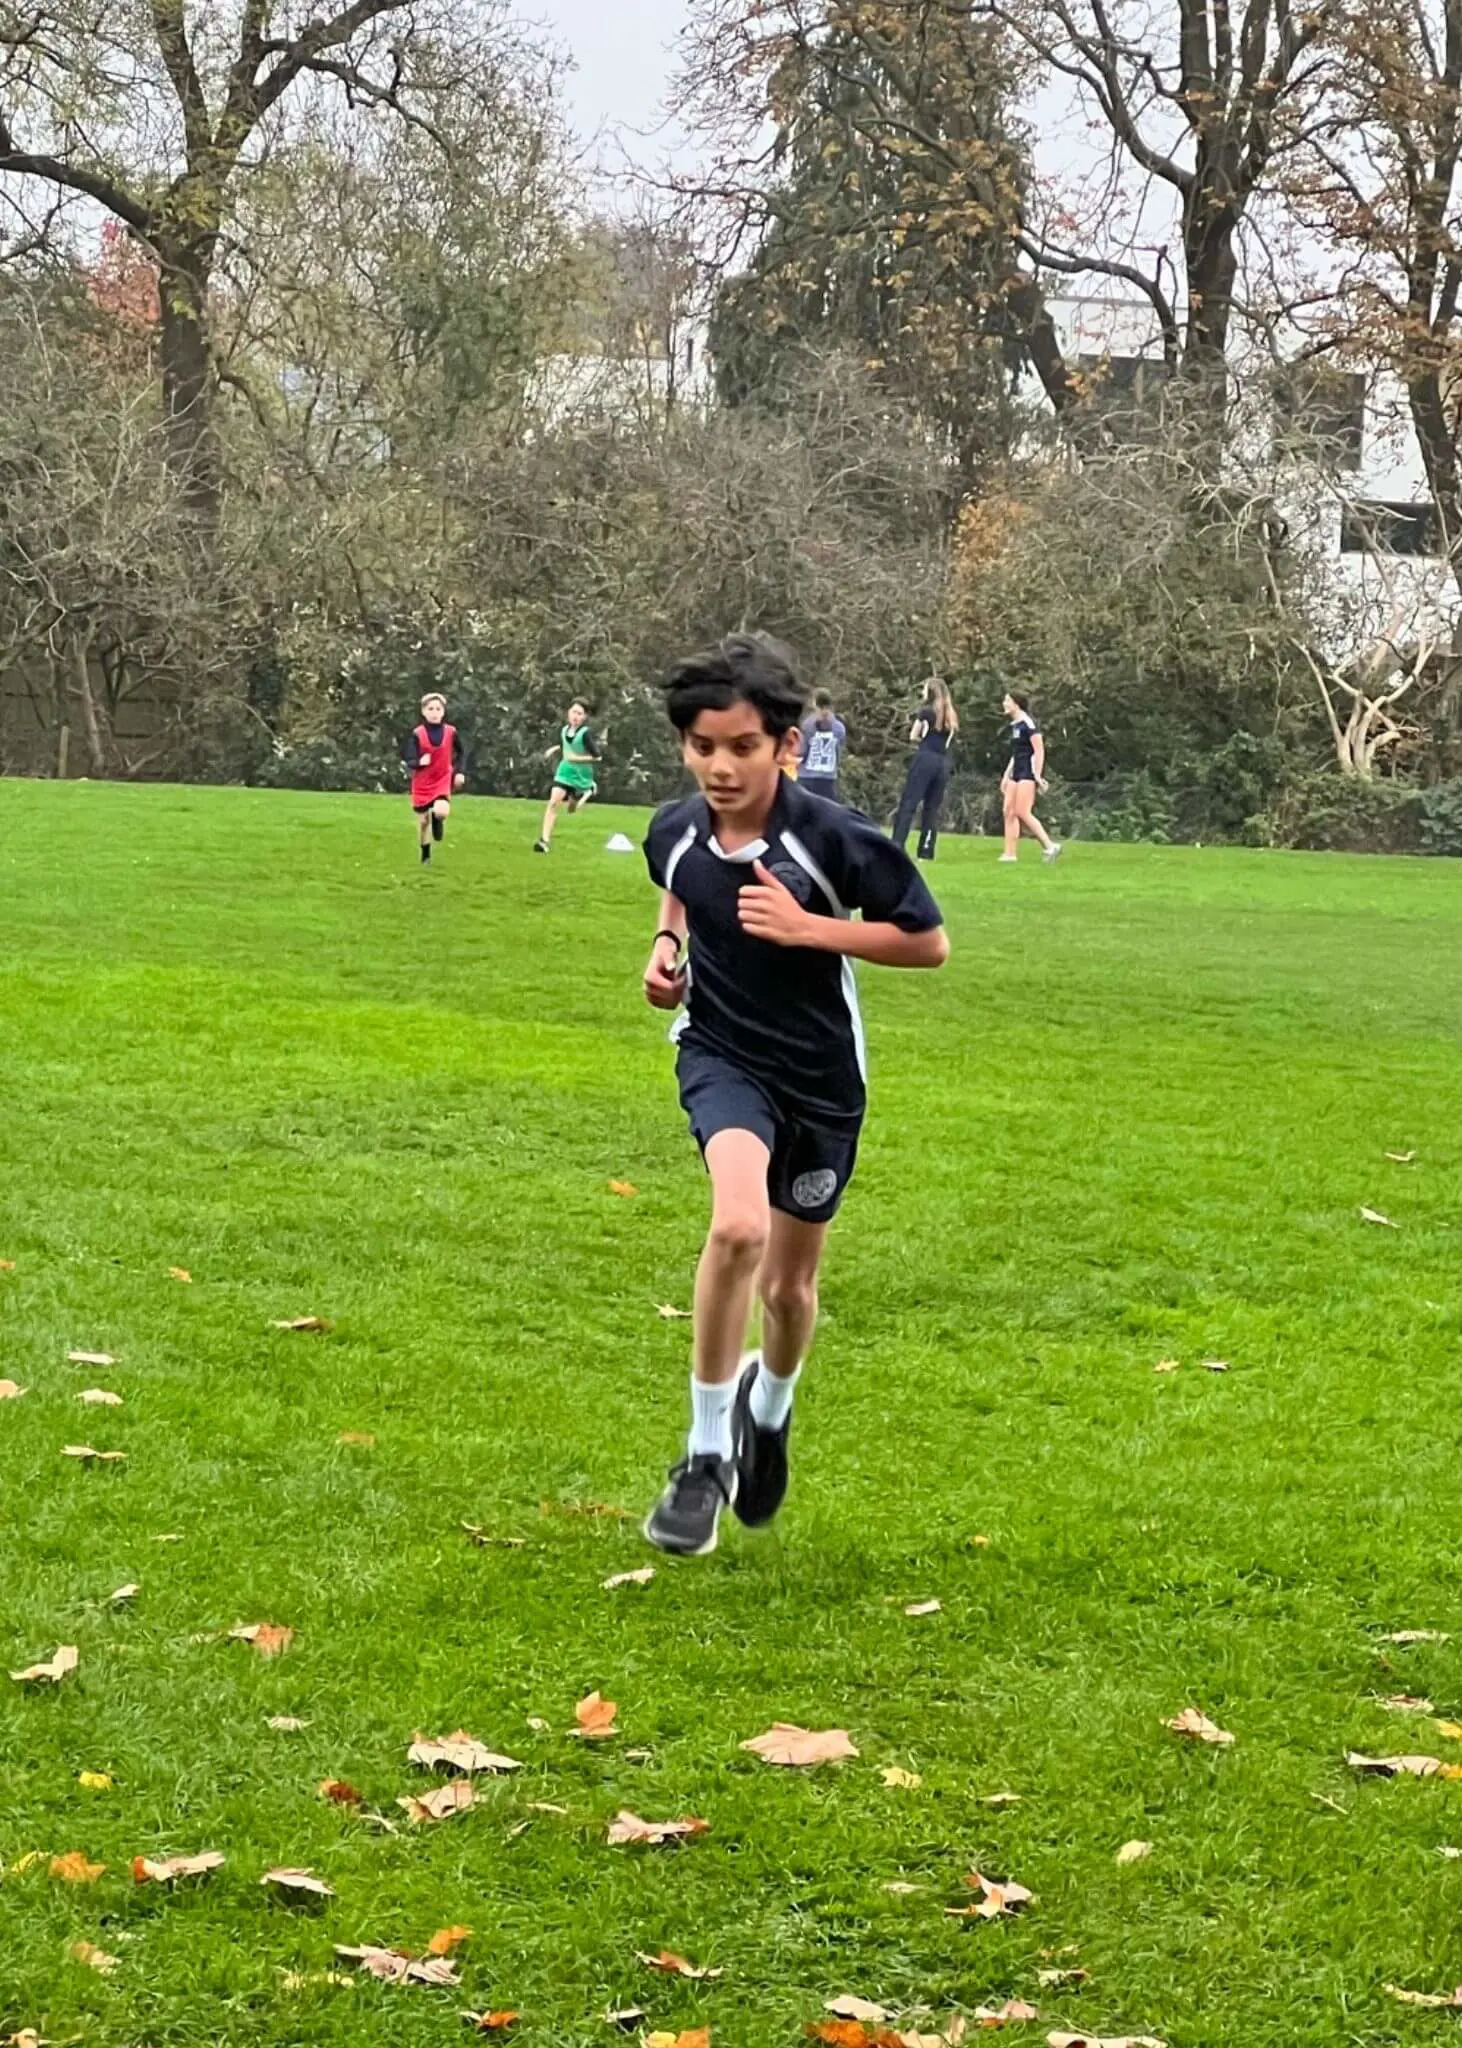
184 270
91 722
1439 457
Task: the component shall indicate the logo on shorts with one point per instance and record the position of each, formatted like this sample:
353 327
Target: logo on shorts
795 880
811 1190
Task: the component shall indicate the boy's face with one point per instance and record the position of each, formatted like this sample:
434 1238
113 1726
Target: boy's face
735 759
433 709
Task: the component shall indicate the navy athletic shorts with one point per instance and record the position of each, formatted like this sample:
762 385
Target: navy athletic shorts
812 1159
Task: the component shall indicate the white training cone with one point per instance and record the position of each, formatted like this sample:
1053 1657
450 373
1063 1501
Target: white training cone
619 844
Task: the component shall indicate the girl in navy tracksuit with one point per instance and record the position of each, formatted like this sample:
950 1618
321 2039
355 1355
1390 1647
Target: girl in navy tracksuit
935 724
1025 775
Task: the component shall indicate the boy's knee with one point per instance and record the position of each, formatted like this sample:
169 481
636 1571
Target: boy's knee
789 1294
740 1234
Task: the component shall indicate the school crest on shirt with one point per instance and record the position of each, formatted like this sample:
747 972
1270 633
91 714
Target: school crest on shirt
811 1190
796 881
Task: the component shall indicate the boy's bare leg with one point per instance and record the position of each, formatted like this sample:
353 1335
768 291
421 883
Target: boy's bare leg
423 833
550 818
741 1223
789 1292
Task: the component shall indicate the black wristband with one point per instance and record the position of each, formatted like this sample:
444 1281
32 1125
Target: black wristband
674 937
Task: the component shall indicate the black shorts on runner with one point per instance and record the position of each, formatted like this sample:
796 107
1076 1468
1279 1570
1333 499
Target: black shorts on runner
422 809
812 1161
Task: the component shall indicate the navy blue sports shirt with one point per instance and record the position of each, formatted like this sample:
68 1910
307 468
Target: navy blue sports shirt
786 1015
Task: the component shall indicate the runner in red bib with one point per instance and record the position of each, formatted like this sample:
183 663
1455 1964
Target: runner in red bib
437 759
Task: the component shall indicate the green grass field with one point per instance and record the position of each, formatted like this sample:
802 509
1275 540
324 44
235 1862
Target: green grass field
1134 1120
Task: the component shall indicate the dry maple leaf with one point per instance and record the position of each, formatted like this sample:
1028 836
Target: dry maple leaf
900 1780
920 1608
458 1752
850 2007
851 2034
443 1802
96 1781
73 1868
286 1724
675 1966
595 1716
180 1274
642 1577
1192 1722
395 1966
90 1358
9 1391
267 1637
1406 1636
800 1748
1436 2000
1134 1852
339 1792
446 1939
628 1827
695 2037
1111 2041
1375 1216
91 1456
626 1189
99 1397
997 1901
65 1660
95 1958
298 1882
493 2022
168 1869
1012 2013
1402 1766
318 1325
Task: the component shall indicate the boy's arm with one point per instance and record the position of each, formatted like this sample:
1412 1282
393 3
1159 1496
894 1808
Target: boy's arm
664 976
770 911
459 756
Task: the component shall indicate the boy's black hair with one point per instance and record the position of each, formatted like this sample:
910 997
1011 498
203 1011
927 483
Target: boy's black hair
823 701
746 668
1020 697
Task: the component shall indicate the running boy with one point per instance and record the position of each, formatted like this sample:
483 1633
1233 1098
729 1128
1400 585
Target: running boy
437 759
573 782
762 881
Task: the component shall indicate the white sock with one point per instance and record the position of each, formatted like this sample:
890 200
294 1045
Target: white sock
771 1398
710 1429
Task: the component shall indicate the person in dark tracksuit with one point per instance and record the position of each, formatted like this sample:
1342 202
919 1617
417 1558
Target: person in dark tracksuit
935 724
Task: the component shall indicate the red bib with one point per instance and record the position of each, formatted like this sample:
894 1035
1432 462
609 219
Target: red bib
435 780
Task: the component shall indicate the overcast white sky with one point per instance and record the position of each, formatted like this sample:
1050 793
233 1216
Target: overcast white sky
622 49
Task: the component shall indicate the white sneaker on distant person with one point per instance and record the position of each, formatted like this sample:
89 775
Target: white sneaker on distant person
1052 852
1006 860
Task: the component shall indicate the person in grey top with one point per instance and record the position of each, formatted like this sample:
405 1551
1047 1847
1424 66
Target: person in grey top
824 738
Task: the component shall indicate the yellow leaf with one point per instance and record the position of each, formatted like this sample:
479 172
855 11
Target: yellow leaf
95 1781
73 1868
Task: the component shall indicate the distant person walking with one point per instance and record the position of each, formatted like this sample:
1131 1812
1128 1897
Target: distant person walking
935 724
824 737
1025 775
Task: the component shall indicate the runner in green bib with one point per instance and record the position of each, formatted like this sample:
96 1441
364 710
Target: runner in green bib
573 781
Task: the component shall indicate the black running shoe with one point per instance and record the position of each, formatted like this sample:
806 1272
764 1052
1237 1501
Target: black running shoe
540 846
761 1458
685 1518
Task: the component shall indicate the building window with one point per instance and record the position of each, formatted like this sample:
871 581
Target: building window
1320 413
1382 527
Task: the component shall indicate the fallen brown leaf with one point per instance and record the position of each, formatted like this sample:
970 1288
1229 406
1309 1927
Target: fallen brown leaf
1406 1703
626 2019
1134 1852
1446 1850
1401 1158
1402 1766
90 1358
168 1869
1192 1722
899 1780
1406 1636
1375 1216
180 1274
73 1868
850 2007
624 1188
484 1541
979 1543
395 1966
1012 2013
95 1958
7 1265
997 1901
1450 1730
27 2037
920 1608
123 1594
91 1456
339 1792
642 1577
800 1748
441 1803
446 1939
99 1397
458 1752
1049 1979
1001 1799
595 1716
628 1827
1111 2041
492 2022
316 1324
851 2034
696 2037
675 1966
168 1536
360 1439
1436 2000
1166 1365
1215 1365
9 1391
65 1660
298 1882
267 1637
286 1724
670 1314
